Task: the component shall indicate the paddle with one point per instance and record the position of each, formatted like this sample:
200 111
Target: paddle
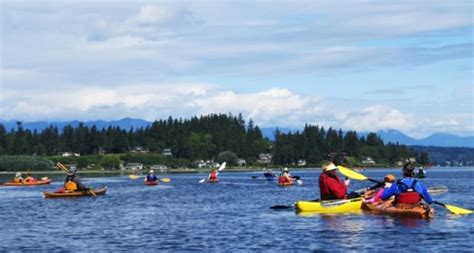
357 176
62 167
454 209
220 169
297 179
134 177
164 180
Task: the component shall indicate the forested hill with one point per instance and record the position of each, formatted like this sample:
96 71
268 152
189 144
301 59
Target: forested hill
203 137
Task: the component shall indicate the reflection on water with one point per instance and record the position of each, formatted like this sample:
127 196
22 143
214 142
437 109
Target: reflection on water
233 215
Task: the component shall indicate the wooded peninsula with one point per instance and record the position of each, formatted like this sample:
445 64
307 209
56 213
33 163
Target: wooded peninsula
189 143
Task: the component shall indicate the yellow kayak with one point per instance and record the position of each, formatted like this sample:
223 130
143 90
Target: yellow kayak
330 206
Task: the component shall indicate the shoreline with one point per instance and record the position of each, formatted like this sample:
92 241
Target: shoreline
202 170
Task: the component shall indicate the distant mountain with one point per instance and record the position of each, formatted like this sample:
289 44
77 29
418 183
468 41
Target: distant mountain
269 132
447 140
125 123
394 136
436 140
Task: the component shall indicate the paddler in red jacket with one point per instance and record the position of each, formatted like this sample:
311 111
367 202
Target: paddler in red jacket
330 186
213 176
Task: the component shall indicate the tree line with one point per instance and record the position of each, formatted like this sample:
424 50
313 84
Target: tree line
203 137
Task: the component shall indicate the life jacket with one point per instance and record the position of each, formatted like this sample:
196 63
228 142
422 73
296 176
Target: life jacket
70 186
331 187
18 180
213 176
30 179
151 178
408 195
283 180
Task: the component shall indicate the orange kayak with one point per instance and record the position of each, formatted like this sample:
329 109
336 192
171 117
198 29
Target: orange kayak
39 182
404 210
73 194
285 184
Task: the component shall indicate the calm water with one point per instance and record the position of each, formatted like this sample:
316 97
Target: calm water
233 215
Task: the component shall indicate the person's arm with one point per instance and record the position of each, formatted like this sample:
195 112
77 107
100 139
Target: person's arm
420 188
79 184
389 192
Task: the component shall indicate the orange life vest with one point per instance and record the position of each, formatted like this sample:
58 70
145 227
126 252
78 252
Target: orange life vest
70 186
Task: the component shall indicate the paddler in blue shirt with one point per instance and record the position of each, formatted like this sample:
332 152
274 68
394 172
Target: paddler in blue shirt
408 190
151 177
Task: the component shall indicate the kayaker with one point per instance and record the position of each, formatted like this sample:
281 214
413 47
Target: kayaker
18 178
285 178
73 183
269 174
330 185
151 177
387 183
408 190
212 176
29 178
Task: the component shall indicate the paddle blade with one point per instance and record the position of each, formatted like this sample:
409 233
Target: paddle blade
457 210
133 177
222 166
91 192
202 180
165 180
281 207
300 182
351 174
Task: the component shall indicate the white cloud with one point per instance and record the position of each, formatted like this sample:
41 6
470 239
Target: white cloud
378 117
268 108
111 60
151 14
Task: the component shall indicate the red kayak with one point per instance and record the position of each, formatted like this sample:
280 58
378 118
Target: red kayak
151 182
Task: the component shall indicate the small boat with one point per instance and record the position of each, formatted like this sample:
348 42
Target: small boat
100 191
330 206
151 182
437 190
402 210
38 182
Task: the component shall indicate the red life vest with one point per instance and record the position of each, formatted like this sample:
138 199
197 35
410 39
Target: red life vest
283 180
30 179
409 195
213 176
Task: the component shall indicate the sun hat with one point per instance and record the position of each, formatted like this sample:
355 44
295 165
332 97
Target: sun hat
329 166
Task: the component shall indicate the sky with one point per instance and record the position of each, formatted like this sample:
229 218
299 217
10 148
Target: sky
352 65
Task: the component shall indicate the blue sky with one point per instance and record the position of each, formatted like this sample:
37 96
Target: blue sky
356 65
